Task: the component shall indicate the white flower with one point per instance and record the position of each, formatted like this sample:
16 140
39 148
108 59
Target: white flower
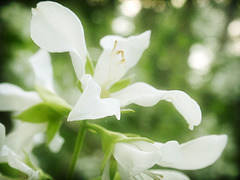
90 105
13 98
119 55
7 155
57 29
136 158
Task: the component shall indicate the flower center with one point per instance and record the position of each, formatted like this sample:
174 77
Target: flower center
121 52
117 68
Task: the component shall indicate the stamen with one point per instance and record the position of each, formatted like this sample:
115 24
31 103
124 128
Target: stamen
115 45
154 176
123 60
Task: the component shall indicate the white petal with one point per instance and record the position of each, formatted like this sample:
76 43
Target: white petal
133 159
55 28
42 67
13 98
119 55
195 154
91 106
56 144
145 95
2 135
16 163
133 46
110 68
170 175
22 137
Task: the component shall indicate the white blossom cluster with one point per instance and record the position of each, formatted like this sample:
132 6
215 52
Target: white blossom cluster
105 91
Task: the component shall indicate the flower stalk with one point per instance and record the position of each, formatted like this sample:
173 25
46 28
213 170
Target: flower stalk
77 149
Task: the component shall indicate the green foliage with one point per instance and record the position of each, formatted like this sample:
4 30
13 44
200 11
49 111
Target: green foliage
53 127
42 175
39 113
54 101
89 66
120 85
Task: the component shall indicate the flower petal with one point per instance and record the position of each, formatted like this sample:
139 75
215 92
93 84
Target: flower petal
195 154
145 95
90 105
56 143
2 135
42 67
19 141
55 28
13 98
133 159
14 162
170 174
119 55
133 46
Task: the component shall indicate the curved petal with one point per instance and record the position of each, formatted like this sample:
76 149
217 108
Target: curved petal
170 174
15 163
145 95
119 55
13 98
133 46
19 141
114 67
42 67
56 144
90 105
55 28
195 154
2 135
133 159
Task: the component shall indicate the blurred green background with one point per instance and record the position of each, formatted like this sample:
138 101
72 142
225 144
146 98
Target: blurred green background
195 47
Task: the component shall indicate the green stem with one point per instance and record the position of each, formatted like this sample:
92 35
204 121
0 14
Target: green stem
77 149
99 129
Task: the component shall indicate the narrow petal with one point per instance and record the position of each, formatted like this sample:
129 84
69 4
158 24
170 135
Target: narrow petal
2 135
145 95
19 141
13 98
195 154
14 162
7 155
134 159
42 67
90 105
55 28
119 55
56 144
170 174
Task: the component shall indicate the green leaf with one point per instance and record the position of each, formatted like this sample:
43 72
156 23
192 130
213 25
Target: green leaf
89 66
53 100
38 113
120 85
42 175
127 111
28 161
107 155
79 85
52 128
113 168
